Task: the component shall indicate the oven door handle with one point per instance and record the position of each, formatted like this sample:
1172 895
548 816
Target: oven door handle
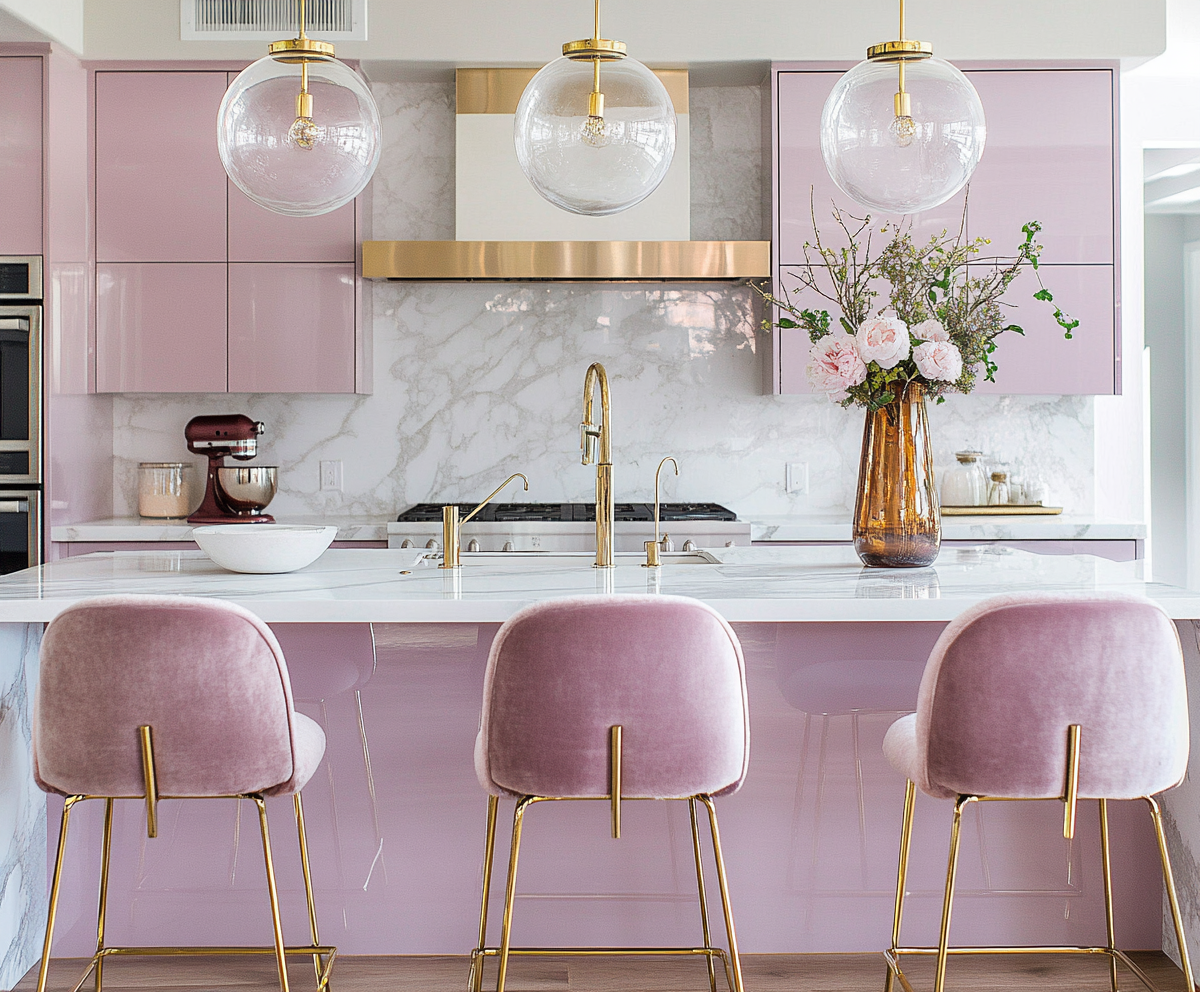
14 506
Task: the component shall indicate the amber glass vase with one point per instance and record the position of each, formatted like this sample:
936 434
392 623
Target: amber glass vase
896 518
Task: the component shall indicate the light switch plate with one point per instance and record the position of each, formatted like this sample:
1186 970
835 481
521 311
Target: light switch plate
797 478
331 475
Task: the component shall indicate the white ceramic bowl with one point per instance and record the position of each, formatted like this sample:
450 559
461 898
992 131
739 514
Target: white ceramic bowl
263 548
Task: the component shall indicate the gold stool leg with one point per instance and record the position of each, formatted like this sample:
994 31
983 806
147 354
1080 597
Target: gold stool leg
475 979
712 972
302 837
735 960
102 909
1172 897
280 956
910 802
54 887
939 981
510 891
1106 864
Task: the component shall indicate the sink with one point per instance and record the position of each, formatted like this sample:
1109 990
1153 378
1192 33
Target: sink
577 559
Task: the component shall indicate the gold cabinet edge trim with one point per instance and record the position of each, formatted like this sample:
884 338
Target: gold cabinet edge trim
497 91
566 260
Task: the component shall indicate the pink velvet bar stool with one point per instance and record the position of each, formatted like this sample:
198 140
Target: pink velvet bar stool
1035 696
168 697
612 698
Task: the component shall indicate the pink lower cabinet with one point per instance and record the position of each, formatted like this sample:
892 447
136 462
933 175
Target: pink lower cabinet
161 327
21 155
291 328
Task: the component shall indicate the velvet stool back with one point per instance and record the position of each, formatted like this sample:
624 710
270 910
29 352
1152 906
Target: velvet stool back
1053 697
612 698
149 698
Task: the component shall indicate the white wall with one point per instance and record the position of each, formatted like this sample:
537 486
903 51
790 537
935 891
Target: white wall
681 32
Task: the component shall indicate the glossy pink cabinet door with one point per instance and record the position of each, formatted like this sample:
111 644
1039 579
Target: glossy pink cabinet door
291 328
160 328
21 155
1043 361
260 235
160 186
1049 157
804 187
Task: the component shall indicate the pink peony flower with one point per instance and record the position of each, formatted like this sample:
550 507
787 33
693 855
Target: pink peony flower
938 360
931 330
834 364
883 340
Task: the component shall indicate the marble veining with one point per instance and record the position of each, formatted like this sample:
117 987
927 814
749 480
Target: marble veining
475 381
22 808
760 584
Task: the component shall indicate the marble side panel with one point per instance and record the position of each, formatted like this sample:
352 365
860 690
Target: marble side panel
22 808
473 381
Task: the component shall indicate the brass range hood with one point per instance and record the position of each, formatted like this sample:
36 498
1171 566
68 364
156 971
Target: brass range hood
496 92
567 261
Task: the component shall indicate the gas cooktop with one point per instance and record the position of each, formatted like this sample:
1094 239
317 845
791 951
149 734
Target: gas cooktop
568 512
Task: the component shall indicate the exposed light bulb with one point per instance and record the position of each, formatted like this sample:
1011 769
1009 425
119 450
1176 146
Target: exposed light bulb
305 133
595 132
904 128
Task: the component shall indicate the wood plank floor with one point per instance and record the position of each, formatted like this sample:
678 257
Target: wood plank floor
763 973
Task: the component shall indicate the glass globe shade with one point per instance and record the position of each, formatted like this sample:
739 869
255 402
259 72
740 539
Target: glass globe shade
270 166
895 164
595 167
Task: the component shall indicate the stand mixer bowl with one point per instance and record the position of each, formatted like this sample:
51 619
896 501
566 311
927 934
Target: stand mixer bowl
248 489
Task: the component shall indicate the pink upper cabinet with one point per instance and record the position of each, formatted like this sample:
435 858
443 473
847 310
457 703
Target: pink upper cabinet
1049 157
21 155
160 186
260 235
1043 361
291 328
160 328
803 185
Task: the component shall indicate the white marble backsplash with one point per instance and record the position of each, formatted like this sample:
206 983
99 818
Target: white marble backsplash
476 381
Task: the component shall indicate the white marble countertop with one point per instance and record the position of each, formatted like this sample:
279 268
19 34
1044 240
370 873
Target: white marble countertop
749 584
1061 527
122 529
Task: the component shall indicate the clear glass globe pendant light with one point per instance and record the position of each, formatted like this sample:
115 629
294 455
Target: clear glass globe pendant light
298 131
902 131
592 149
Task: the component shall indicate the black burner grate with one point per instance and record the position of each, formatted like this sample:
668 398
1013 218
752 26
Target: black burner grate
556 512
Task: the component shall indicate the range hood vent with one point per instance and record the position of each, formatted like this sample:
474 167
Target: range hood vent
270 20
494 201
566 261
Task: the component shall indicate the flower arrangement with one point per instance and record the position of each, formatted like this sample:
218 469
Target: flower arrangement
938 326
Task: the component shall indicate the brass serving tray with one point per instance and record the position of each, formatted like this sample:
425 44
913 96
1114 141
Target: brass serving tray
1006 510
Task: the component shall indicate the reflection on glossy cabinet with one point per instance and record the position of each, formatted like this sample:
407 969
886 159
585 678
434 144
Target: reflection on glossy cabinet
160 186
21 155
260 235
291 328
1049 158
160 328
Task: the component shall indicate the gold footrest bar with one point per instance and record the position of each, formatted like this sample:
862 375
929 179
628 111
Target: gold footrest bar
893 963
603 951
170 951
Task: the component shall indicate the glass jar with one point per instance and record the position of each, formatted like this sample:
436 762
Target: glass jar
163 489
965 484
998 493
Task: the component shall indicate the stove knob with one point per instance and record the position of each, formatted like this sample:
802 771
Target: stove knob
689 545
509 546
731 544
433 545
473 545
407 543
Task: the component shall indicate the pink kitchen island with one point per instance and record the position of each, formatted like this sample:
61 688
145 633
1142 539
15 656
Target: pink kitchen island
396 817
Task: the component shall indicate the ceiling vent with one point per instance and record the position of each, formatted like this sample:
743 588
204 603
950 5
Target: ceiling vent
269 20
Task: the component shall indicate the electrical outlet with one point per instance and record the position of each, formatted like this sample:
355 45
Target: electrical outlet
797 478
331 475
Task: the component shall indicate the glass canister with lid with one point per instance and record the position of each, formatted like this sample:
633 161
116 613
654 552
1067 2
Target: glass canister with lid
163 489
965 484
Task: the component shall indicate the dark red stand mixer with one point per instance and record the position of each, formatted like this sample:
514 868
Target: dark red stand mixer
233 494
